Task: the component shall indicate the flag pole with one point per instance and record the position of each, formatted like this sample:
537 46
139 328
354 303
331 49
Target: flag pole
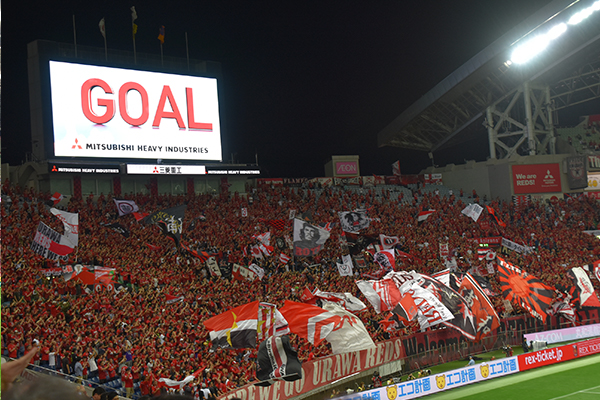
133 36
74 36
105 49
161 55
187 51
133 31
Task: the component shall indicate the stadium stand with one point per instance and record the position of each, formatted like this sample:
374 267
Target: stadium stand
137 327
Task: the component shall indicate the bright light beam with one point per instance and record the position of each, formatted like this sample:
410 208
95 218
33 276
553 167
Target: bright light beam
536 45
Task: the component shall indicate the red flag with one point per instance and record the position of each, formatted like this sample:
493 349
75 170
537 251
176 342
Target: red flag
406 310
310 322
153 247
486 319
527 290
391 323
56 198
139 215
279 224
493 214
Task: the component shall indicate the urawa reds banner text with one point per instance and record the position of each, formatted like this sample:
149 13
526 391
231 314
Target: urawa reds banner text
536 178
123 113
323 371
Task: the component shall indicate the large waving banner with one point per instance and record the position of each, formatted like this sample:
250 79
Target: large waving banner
325 370
46 243
71 223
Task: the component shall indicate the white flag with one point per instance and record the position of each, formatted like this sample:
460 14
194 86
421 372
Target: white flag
473 211
71 223
126 207
345 268
346 300
351 335
133 14
102 27
257 270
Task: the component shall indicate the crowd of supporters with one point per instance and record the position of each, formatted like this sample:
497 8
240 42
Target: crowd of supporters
96 334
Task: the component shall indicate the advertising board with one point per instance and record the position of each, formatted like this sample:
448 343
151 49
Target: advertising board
565 334
441 382
348 168
546 357
536 178
103 112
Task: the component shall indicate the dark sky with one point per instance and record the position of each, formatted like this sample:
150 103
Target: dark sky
302 80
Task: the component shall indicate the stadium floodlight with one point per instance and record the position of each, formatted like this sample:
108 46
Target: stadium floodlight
536 45
583 14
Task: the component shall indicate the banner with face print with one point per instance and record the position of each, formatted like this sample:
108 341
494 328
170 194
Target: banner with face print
308 239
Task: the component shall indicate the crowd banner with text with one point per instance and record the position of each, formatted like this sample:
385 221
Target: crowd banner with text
324 371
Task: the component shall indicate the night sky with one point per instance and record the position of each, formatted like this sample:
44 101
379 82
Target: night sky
301 80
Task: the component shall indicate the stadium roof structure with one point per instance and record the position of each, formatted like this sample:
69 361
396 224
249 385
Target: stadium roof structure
481 97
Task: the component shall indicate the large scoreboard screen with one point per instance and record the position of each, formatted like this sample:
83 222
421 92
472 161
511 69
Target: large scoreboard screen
103 112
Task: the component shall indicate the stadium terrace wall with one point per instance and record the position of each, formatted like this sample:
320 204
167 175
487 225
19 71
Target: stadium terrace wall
405 354
493 178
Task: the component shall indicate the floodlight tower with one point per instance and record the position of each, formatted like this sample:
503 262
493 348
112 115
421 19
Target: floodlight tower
521 122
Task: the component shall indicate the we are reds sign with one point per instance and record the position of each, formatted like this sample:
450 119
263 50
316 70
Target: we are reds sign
536 178
346 168
122 113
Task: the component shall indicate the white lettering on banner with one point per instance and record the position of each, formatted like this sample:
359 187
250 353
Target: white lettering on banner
543 356
565 334
324 371
589 347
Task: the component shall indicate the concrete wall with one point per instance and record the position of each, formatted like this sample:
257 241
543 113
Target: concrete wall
493 178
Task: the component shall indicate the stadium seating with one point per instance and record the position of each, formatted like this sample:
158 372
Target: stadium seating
71 322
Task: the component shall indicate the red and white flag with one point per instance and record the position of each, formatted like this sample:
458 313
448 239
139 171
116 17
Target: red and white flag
346 300
386 259
382 294
257 270
256 253
56 198
351 335
266 250
172 384
406 310
310 322
270 322
388 242
284 258
423 215
264 238
586 292
170 299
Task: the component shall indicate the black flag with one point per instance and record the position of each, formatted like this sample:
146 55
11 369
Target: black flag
277 360
169 220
